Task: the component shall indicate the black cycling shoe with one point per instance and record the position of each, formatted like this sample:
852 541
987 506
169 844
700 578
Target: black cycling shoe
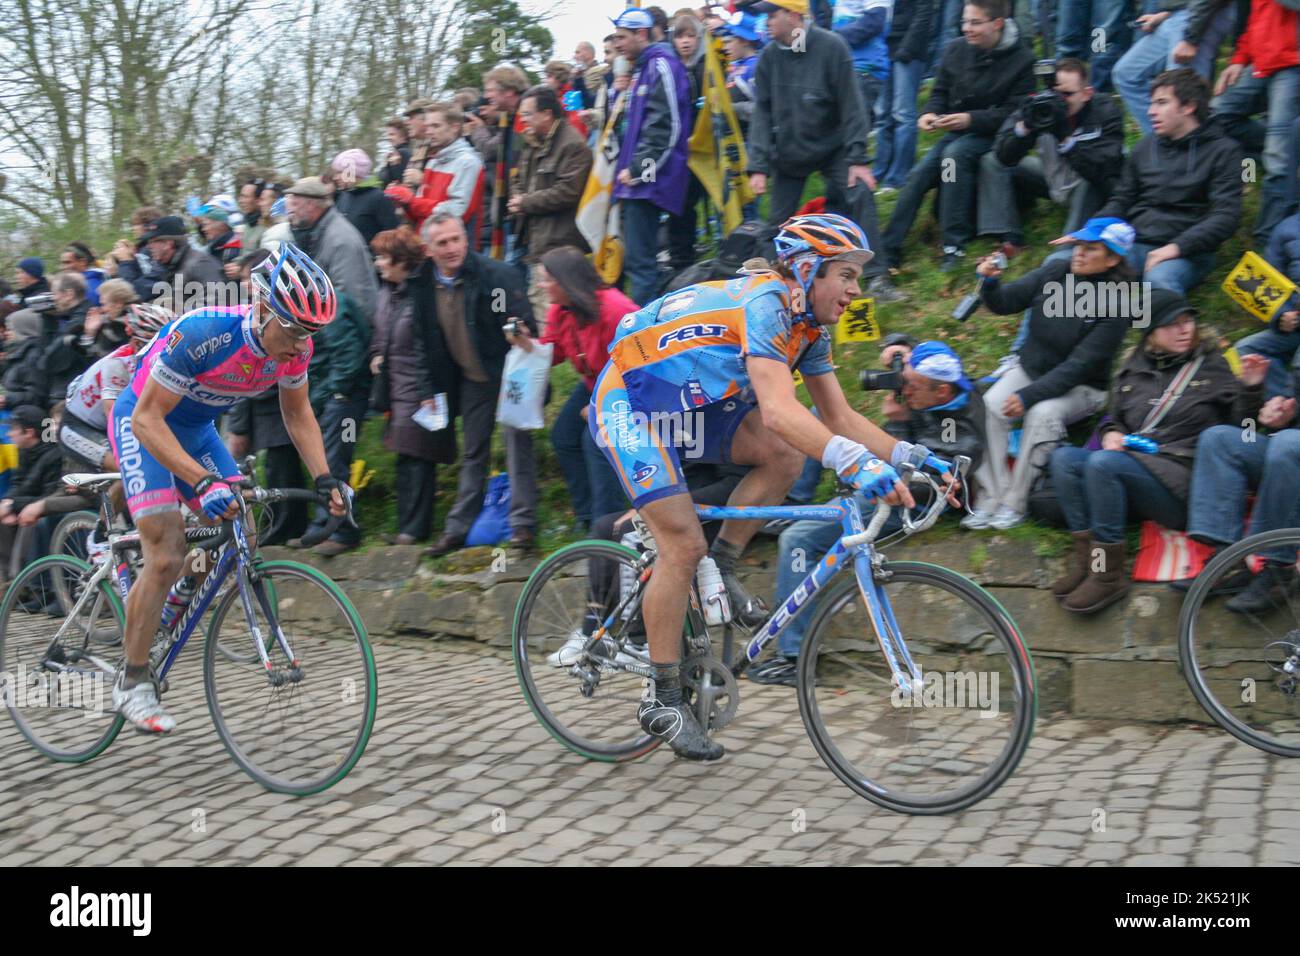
746 610
678 727
1268 591
775 670
1234 582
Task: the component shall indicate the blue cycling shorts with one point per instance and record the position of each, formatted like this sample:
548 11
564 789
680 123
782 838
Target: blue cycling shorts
645 449
150 488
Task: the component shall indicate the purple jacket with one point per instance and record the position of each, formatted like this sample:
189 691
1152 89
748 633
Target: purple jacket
660 118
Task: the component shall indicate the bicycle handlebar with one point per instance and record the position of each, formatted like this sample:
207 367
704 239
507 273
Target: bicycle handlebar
909 473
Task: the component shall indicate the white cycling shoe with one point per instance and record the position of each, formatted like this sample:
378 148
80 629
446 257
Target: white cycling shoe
141 707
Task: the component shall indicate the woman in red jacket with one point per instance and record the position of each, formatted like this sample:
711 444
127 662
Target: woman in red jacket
580 323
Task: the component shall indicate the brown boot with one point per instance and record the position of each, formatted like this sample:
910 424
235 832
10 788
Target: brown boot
1077 565
1101 588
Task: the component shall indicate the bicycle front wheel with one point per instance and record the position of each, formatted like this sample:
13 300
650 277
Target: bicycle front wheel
951 738
58 684
300 727
1236 662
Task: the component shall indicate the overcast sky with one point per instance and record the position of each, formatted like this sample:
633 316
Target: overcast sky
576 20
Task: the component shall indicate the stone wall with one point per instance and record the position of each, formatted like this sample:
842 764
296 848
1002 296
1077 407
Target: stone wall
1119 664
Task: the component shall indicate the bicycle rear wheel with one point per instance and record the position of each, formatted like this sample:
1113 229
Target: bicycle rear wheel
587 704
59 685
1235 663
302 727
960 735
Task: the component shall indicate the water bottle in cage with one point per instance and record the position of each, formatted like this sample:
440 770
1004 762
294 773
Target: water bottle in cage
178 599
713 592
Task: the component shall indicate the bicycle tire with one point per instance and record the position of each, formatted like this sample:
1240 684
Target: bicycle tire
994 617
617 752
101 732
345 755
69 537
1187 632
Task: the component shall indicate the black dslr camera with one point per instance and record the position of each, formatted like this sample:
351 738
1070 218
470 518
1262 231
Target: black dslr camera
1044 112
890 381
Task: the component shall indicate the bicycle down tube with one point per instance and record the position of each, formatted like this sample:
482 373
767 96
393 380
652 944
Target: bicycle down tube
849 515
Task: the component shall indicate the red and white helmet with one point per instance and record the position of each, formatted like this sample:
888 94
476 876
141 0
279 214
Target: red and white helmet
144 319
296 288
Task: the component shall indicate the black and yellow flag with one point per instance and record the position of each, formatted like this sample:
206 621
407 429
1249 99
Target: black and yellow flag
717 150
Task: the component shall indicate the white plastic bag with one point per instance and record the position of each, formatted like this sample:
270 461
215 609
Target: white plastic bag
523 387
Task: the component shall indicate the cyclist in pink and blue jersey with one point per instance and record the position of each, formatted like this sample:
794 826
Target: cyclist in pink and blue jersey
168 449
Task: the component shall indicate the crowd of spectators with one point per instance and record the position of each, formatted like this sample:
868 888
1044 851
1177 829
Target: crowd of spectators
461 240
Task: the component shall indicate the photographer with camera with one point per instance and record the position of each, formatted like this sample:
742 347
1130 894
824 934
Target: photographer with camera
931 403
1079 141
1063 370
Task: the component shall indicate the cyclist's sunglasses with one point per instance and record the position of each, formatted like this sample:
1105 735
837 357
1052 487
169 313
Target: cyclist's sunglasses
296 332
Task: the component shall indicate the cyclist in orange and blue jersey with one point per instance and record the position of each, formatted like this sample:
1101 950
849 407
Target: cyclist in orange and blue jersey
685 372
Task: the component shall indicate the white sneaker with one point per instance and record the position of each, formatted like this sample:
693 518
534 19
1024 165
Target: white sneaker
570 651
141 708
977 520
1006 518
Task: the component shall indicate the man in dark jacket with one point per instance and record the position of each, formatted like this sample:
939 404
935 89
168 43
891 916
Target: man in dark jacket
1079 311
909 54
809 115
30 280
553 173
25 382
469 317
981 79
40 465
1080 147
650 175
360 196
70 330
1181 187
188 278
339 375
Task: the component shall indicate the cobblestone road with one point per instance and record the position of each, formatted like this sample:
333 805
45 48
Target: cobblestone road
458 771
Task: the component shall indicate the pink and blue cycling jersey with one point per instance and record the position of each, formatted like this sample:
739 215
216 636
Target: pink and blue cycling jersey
211 358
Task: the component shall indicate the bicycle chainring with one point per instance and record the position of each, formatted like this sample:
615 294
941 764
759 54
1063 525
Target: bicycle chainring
707 679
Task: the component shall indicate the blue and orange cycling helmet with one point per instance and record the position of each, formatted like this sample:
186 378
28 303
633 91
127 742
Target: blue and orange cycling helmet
805 242
296 288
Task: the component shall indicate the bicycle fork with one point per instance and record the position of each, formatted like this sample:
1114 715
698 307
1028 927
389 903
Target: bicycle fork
867 566
293 674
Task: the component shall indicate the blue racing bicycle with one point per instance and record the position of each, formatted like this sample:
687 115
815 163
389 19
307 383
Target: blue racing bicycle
287 667
913 683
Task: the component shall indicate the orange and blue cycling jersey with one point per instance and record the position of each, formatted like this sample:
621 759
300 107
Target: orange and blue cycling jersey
677 378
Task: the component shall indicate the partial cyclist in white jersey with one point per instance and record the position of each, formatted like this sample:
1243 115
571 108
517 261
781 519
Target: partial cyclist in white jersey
83 433
168 448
